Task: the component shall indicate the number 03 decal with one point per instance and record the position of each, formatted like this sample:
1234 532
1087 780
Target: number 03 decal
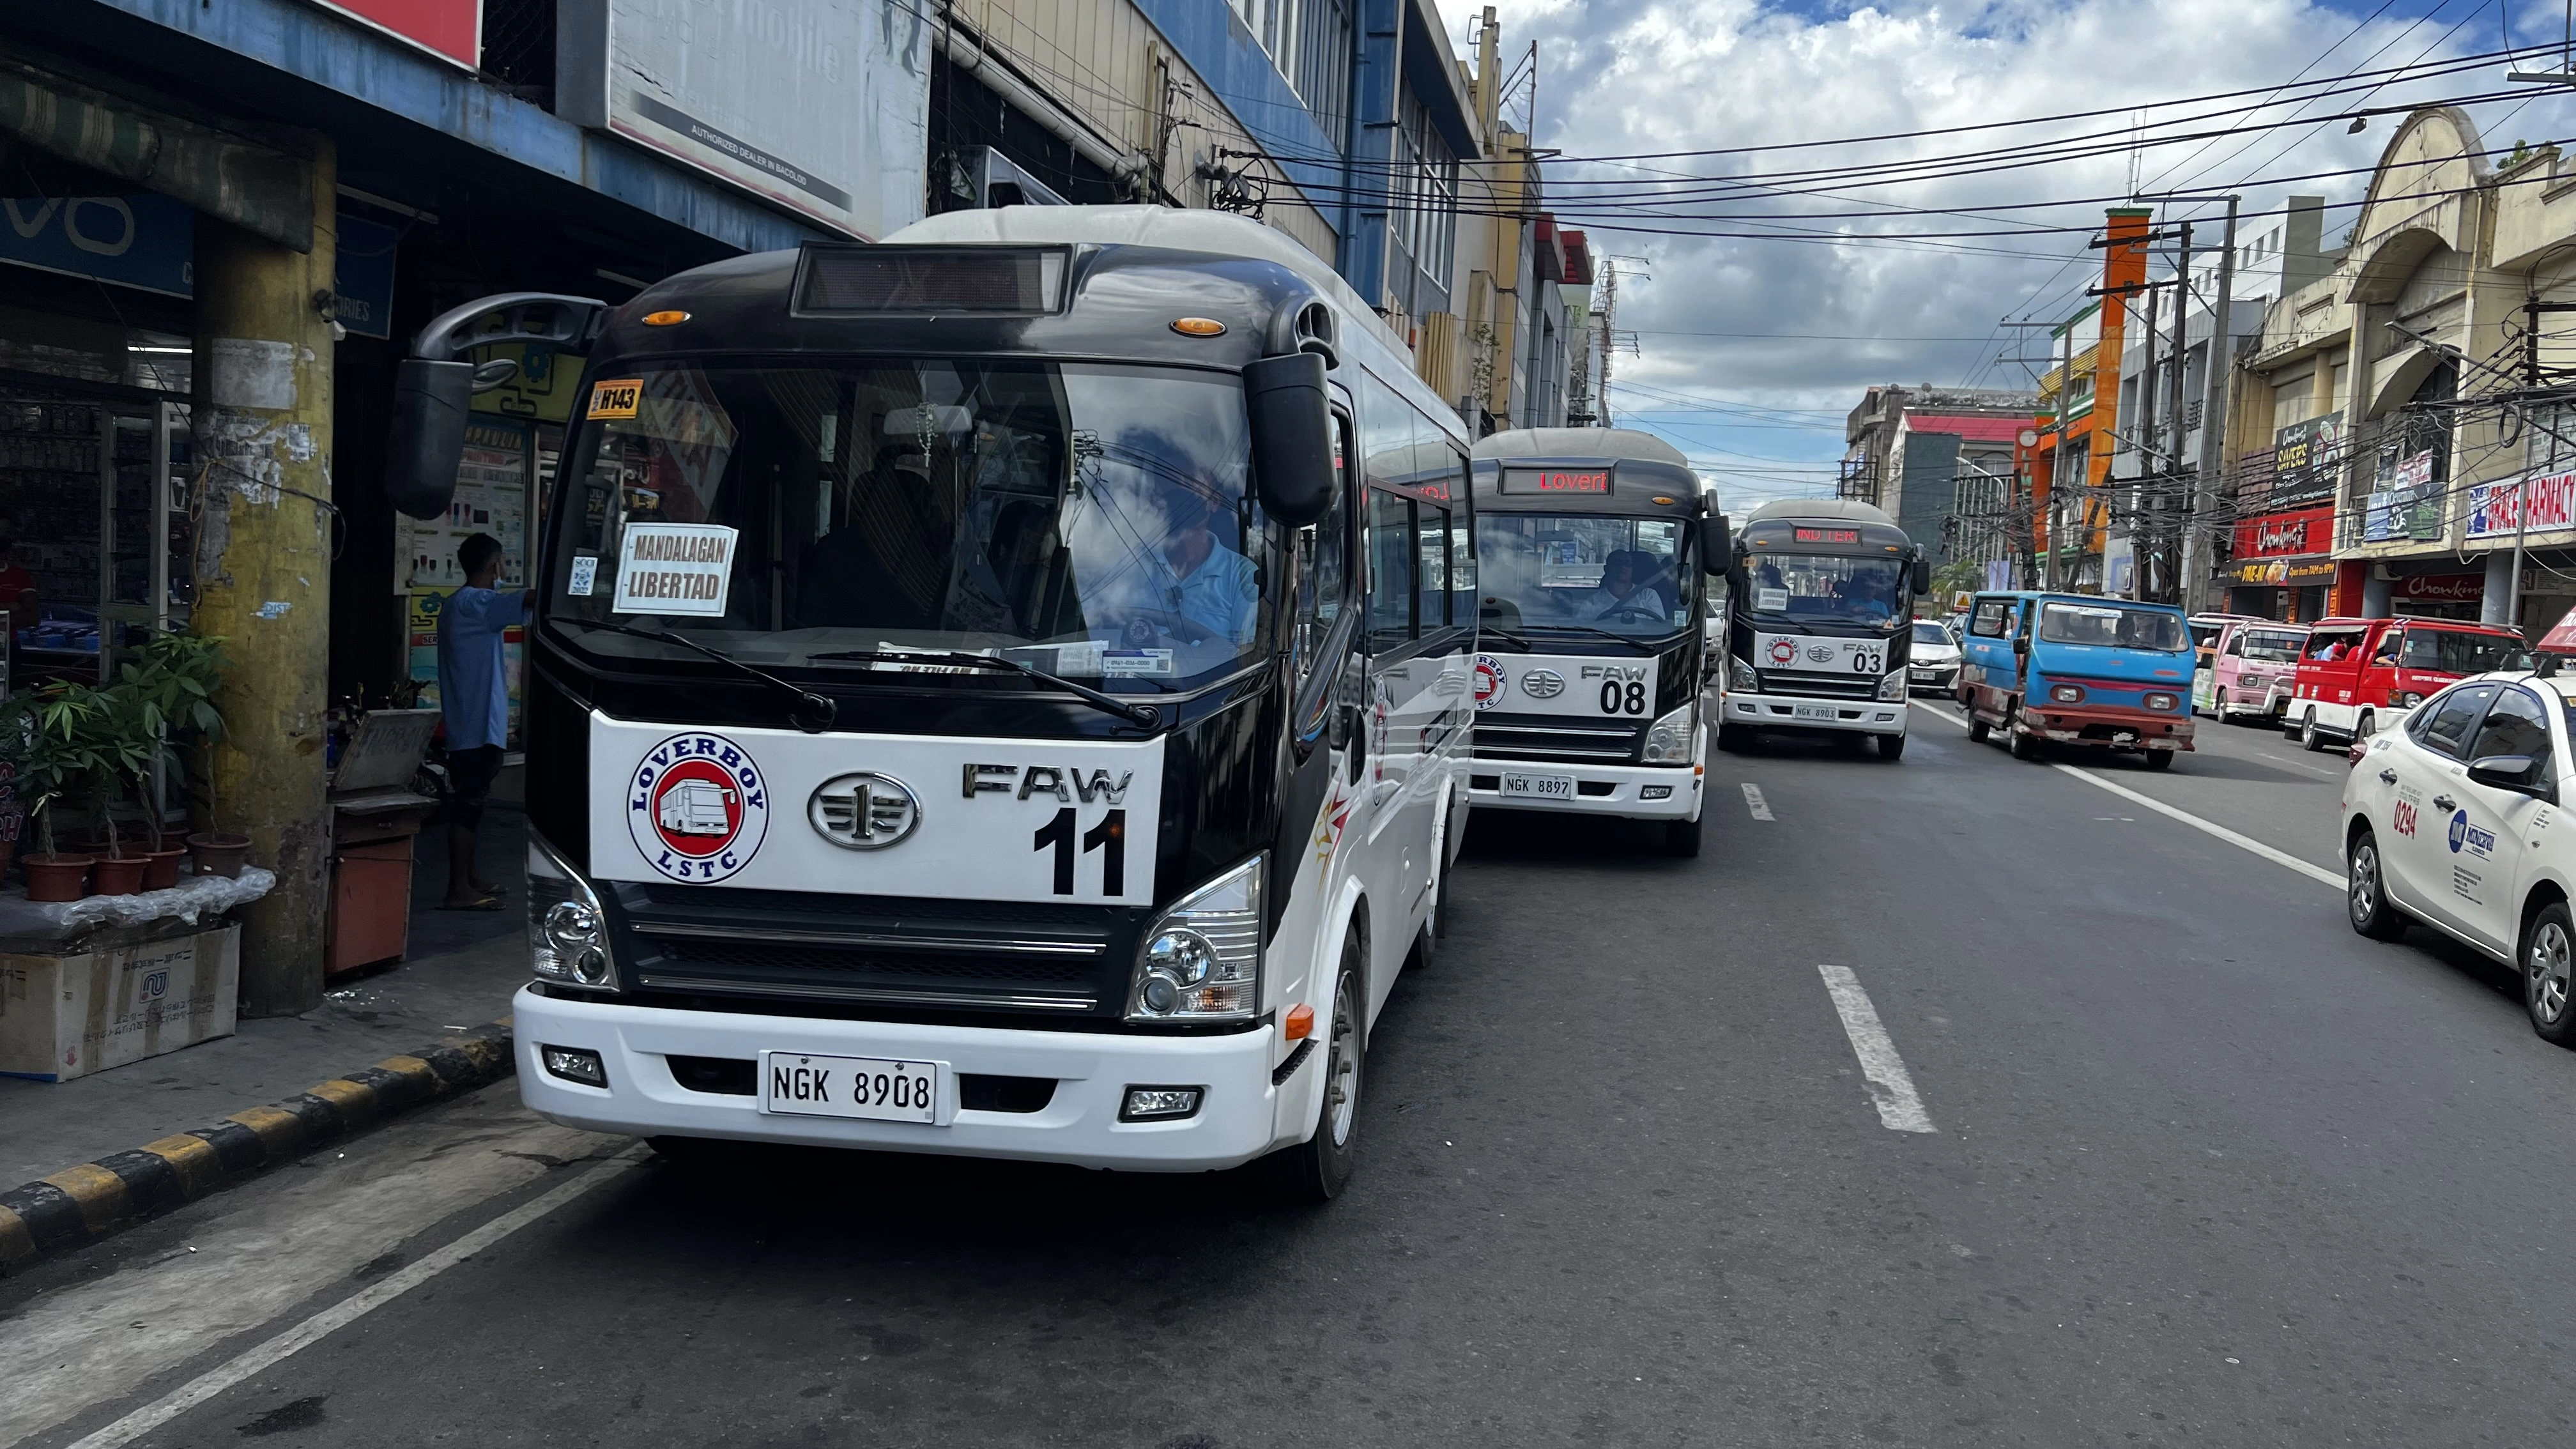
1109 837
1618 698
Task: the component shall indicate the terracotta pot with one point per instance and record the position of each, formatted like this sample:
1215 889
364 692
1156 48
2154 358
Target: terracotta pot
55 877
117 877
219 854
161 867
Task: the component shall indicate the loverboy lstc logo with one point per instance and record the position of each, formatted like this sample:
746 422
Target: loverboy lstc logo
697 808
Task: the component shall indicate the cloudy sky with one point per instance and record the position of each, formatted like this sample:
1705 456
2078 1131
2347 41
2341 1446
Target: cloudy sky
1752 346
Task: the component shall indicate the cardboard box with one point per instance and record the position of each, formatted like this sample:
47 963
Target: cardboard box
68 1016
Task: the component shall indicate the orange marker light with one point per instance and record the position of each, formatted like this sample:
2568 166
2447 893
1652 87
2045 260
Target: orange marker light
665 319
1661 499
1301 1022
1198 326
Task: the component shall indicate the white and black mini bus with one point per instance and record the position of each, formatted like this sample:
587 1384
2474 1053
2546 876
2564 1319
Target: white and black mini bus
1001 692
1594 550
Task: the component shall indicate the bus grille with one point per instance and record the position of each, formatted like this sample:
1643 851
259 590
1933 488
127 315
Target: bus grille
1562 743
1820 686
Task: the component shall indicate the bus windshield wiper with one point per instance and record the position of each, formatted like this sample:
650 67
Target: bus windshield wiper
1640 645
813 713
1134 713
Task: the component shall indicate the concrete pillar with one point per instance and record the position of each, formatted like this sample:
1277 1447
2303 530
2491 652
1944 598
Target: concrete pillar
2378 595
263 425
2497 605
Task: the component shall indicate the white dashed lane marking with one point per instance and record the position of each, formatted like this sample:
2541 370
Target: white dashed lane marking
1890 1085
1754 802
2245 843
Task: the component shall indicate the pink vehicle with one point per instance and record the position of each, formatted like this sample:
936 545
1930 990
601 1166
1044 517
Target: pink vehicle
2246 669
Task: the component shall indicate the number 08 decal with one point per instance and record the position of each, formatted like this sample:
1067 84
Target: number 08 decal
1623 697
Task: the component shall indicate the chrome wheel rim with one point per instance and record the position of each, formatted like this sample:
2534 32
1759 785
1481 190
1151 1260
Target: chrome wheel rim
2549 965
2365 882
1342 1068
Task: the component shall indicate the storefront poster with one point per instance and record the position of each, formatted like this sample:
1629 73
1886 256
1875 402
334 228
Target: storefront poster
491 497
823 108
2305 456
362 278
2286 535
145 240
2551 498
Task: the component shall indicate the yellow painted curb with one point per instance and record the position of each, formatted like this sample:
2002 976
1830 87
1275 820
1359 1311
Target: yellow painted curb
200 1169
99 1193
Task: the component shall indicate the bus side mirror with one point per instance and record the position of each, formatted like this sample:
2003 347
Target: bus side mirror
1922 577
434 387
1292 436
1716 549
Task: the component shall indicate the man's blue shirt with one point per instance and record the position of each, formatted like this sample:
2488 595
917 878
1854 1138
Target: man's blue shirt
1220 595
472 696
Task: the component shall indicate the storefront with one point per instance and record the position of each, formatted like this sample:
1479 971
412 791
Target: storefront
2445 595
2282 570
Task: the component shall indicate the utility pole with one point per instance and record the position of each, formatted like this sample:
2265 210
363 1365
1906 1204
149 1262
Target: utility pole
2179 352
2144 440
2057 465
2200 544
1609 330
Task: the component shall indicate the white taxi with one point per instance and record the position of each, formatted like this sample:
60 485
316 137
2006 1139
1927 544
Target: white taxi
2454 820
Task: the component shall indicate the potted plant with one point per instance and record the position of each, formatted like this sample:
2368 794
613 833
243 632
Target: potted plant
52 758
160 694
174 677
115 750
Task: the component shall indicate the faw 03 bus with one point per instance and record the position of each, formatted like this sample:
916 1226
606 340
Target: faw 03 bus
1002 692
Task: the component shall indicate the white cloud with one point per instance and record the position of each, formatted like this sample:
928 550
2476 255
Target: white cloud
1629 76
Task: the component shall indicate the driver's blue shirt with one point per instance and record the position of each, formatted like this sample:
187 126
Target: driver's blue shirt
1221 595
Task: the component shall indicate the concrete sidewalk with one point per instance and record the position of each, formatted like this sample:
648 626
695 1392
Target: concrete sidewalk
462 969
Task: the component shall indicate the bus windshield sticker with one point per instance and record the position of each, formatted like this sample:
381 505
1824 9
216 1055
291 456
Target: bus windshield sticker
902 666
585 573
1772 600
1134 663
674 568
616 397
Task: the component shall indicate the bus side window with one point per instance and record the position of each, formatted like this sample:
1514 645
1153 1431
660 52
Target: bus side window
1431 565
1390 552
1462 547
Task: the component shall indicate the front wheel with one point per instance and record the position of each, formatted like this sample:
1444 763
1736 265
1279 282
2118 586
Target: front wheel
2024 746
2548 962
2366 902
1891 747
1681 838
2309 736
1316 1170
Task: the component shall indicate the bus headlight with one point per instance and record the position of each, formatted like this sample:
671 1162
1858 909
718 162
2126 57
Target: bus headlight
1740 678
1672 739
1892 688
1202 960
567 934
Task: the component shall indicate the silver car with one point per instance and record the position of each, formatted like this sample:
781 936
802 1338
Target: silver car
1934 664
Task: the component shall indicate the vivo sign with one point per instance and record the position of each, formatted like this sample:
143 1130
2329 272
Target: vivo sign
2550 499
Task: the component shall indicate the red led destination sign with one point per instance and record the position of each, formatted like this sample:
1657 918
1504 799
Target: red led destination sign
1556 480
1829 535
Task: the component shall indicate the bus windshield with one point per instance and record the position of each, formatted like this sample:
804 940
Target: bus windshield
1091 521
1622 574
2271 646
1826 588
2114 627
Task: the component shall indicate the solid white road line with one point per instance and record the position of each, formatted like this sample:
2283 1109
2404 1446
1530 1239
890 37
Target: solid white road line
1754 802
1899 1110
2316 873
349 1310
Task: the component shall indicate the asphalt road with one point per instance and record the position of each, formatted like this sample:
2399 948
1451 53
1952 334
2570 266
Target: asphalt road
2202 1167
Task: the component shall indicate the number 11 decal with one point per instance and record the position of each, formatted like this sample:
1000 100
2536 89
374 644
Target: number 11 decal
1109 837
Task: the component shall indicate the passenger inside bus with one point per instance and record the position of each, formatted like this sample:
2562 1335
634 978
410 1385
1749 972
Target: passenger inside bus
1211 585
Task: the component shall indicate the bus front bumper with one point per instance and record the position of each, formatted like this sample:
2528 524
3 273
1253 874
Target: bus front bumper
1091 1072
2119 729
1798 712
1635 792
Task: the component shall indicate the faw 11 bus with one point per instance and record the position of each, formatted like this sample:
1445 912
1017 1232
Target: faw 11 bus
1002 692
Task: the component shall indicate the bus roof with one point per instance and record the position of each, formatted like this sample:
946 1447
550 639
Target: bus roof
1843 509
1638 473
1580 443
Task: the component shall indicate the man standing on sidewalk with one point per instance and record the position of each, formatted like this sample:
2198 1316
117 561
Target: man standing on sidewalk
475 704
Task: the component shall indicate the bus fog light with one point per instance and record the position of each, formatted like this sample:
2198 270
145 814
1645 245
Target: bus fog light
574 1064
1656 792
1202 960
1160 1104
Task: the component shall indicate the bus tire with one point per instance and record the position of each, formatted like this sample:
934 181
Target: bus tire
2025 746
1979 731
1891 747
1681 838
2160 759
1315 1170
